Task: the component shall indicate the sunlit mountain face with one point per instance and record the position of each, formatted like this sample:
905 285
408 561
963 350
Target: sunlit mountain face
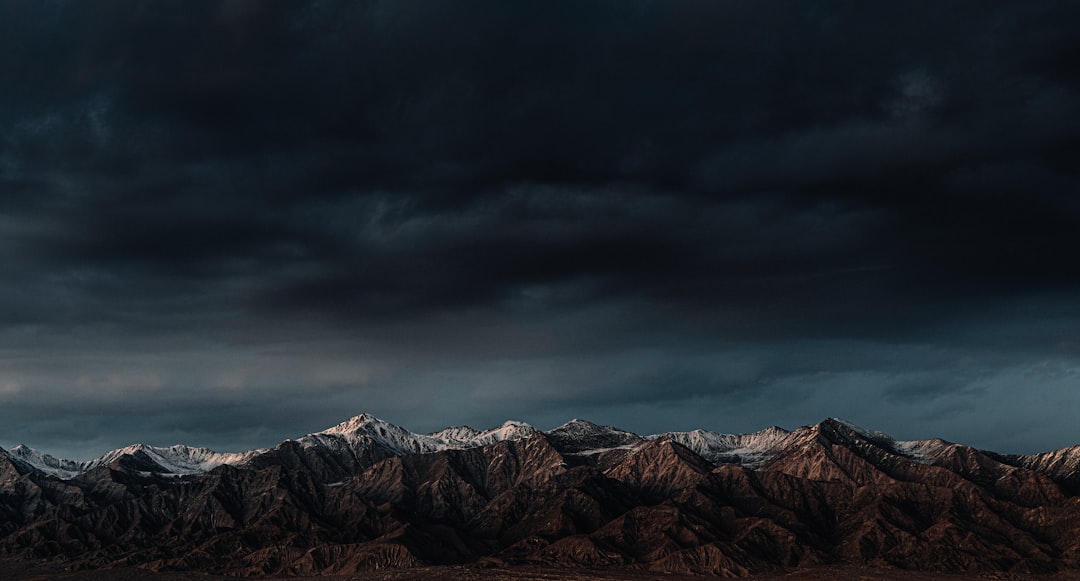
367 495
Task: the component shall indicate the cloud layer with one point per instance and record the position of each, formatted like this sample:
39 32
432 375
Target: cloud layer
228 223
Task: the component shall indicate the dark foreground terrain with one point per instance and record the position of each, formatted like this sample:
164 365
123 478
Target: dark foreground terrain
370 500
26 572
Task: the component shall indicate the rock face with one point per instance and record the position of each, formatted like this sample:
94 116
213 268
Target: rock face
369 495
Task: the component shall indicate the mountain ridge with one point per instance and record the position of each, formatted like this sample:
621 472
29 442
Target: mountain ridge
366 494
750 449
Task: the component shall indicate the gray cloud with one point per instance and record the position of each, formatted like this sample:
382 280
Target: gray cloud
226 223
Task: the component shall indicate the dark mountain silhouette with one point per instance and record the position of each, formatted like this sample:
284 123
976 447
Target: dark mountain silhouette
369 495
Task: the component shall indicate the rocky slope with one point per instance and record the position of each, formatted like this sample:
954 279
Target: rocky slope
367 495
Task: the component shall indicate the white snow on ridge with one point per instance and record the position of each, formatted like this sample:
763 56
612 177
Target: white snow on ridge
355 433
359 435
456 433
921 451
755 449
180 459
868 434
363 429
747 449
172 460
510 430
577 428
611 449
51 465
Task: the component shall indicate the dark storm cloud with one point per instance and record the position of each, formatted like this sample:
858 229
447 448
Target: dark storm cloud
573 202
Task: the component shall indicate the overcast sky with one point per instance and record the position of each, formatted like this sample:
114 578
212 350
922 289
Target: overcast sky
230 223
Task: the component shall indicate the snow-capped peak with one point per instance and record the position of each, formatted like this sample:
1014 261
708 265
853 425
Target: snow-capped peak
577 425
584 437
456 433
46 463
464 435
364 429
751 449
509 430
355 424
872 435
920 451
357 433
177 459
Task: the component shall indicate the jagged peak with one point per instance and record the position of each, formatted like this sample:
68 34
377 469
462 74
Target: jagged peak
667 449
26 453
1060 462
847 429
920 451
509 430
175 459
578 425
752 449
582 437
578 422
356 423
133 448
364 430
456 433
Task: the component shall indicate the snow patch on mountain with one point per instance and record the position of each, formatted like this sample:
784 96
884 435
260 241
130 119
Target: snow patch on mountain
583 437
510 430
180 460
353 436
919 451
872 435
46 463
360 435
456 433
577 428
364 429
749 450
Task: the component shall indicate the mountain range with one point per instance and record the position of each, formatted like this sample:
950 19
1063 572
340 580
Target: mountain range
367 494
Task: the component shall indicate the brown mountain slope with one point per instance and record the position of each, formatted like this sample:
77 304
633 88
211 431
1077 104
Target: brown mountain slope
831 494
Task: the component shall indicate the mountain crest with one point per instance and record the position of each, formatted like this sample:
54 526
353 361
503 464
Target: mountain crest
456 433
369 494
363 439
584 437
358 423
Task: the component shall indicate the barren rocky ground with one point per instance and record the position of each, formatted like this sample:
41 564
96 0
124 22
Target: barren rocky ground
17 570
